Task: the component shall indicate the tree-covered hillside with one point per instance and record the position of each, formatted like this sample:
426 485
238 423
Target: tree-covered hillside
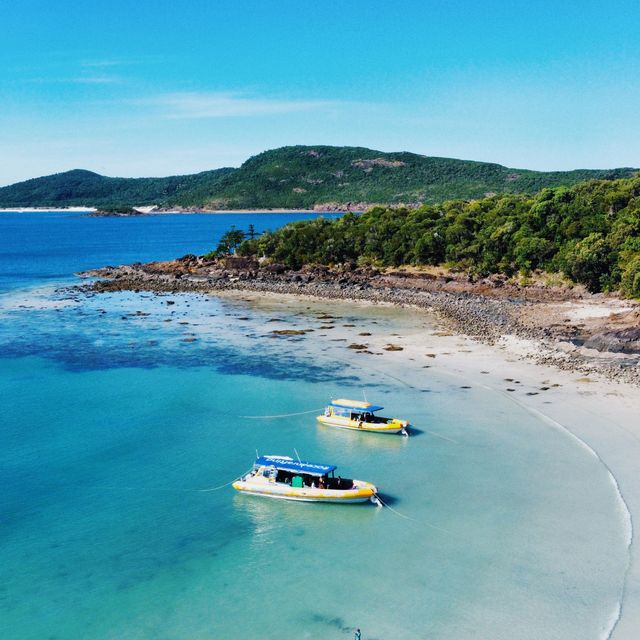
590 232
299 177
85 188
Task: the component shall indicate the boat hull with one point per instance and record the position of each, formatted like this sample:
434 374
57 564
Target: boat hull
395 426
362 493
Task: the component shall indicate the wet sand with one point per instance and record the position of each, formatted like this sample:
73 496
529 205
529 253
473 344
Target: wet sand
600 414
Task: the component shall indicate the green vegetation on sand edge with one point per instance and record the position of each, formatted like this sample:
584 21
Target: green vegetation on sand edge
590 232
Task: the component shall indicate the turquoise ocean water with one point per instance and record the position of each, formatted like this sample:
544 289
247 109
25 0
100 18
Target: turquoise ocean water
123 414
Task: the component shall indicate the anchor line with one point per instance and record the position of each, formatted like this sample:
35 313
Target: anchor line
384 504
406 517
222 486
282 415
170 490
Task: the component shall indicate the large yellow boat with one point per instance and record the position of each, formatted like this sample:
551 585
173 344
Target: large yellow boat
358 415
283 477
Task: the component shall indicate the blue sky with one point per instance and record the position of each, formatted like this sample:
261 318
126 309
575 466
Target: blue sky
159 88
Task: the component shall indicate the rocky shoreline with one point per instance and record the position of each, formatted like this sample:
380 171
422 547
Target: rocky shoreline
159 211
566 327
324 207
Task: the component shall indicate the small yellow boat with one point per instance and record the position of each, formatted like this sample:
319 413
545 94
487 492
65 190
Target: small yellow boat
358 415
283 477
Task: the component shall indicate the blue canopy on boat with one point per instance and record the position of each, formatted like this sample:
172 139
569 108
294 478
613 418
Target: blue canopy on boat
287 464
356 406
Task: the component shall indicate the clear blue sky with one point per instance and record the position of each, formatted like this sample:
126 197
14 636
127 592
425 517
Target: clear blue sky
163 87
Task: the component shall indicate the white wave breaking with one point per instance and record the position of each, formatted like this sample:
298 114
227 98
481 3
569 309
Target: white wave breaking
623 508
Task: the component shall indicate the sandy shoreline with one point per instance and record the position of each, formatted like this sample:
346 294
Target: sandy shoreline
567 327
482 344
599 414
211 212
160 212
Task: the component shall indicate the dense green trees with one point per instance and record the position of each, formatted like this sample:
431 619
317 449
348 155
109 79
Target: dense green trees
300 177
590 232
85 188
630 277
231 240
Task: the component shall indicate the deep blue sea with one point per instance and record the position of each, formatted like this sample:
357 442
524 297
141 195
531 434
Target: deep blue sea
123 417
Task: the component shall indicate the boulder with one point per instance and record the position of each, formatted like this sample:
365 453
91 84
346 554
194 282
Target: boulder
619 341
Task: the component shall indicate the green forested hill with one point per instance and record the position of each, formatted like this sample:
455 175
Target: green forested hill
300 177
305 176
85 188
590 232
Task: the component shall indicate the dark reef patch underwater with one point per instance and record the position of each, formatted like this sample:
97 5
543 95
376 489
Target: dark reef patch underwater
81 336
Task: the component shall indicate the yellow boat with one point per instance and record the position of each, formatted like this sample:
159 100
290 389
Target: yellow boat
358 415
283 477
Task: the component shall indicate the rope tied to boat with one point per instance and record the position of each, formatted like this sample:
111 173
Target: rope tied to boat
173 490
222 486
282 415
382 503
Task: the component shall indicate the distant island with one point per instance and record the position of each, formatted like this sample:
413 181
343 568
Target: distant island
299 177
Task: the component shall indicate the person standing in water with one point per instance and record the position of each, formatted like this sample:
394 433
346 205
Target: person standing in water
357 635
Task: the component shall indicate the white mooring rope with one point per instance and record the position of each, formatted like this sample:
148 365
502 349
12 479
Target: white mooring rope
402 515
282 415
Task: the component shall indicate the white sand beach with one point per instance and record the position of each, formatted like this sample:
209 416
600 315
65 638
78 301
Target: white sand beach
602 416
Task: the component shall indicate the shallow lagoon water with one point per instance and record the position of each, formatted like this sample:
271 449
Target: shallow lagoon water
119 424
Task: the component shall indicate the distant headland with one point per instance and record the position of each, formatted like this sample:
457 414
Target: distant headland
321 178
